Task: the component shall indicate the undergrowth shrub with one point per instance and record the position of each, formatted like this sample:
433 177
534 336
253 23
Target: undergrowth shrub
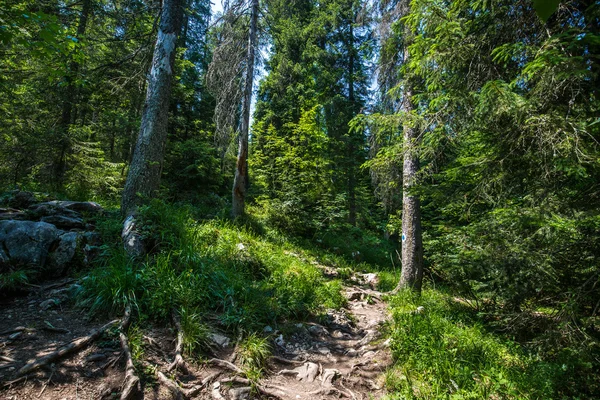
249 280
444 351
254 351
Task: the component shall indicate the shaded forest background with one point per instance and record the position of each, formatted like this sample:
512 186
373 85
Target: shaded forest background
505 106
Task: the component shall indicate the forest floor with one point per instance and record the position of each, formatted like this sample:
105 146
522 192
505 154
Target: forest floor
343 356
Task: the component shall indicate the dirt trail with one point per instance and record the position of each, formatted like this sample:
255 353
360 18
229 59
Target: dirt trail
342 357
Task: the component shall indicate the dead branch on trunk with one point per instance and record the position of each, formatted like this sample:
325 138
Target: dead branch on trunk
75 345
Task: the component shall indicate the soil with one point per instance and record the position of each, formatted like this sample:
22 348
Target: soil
344 356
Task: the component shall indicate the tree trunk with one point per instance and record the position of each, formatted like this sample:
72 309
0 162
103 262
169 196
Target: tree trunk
412 240
66 118
351 149
240 183
143 179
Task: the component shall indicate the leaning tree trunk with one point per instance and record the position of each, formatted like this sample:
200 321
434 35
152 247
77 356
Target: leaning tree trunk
412 237
143 178
240 182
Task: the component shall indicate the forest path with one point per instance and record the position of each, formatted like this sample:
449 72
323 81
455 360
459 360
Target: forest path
343 356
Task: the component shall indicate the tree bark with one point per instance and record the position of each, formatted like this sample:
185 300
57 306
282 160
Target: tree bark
240 182
143 179
412 236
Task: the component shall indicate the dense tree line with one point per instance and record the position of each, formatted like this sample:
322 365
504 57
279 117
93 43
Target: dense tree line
465 131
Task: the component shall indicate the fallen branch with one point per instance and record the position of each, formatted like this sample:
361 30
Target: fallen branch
178 362
131 384
75 345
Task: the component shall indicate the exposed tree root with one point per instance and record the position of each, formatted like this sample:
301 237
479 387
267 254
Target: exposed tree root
7 359
178 362
225 364
175 390
65 350
15 330
131 386
14 382
216 391
286 361
236 379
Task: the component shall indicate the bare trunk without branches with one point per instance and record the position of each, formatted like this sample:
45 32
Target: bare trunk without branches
240 182
412 235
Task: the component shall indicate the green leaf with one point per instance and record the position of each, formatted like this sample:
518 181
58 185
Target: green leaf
545 8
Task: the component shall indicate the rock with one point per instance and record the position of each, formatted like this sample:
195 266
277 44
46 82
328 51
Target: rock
369 354
92 238
240 393
64 253
48 209
279 341
371 279
44 305
77 206
27 242
318 330
11 213
329 376
267 330
64 221
369 337
307 372
324 350
219 339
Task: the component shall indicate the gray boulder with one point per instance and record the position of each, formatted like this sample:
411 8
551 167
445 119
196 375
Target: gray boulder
65 252
77 206
64 221
27 242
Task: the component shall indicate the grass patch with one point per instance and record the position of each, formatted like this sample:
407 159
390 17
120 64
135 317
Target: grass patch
248 279
447 352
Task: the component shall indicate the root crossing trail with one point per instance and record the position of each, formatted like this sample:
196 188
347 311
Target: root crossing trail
342 356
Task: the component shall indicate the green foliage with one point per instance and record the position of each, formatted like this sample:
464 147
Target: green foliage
195 332
444 351
113 285
211 267
12 281
254 352
135 337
